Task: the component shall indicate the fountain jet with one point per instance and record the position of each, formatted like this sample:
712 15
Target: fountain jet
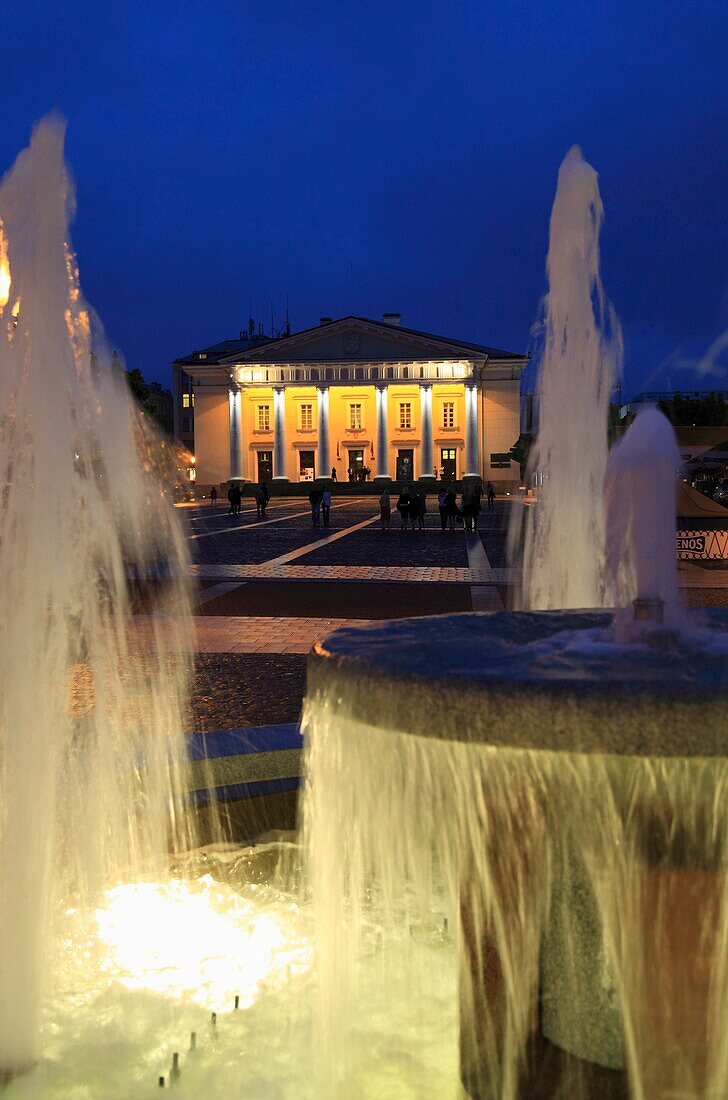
91 701
563 558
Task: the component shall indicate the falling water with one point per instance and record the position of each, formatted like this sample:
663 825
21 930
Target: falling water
640 503
92 700
563 556
584 887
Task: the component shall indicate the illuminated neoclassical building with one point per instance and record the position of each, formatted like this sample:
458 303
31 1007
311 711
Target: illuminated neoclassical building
351 395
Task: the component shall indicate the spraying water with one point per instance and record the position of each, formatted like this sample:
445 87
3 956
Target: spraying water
563 559
90 708
639 491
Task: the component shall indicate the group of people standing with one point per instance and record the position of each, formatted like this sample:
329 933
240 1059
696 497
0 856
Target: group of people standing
320 501
412 507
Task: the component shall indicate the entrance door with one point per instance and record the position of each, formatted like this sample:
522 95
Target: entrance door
356 465
306 466
448 465
265 465
405 465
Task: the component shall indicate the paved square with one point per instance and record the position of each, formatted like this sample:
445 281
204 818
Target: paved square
269 587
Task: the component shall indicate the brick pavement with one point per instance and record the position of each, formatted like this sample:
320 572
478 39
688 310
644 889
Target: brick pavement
252 643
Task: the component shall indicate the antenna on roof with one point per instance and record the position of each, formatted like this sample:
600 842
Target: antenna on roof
288 320
251 322
351 280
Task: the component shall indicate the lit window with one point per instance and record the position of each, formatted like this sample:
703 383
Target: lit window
448 414
306 418
263 418
405 415
355 416
188 401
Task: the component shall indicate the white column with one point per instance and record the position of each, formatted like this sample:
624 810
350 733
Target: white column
324 458
279 434
236 463
382 473
426 429
472 464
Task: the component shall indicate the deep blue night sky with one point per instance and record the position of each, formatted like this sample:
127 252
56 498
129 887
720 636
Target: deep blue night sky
228 152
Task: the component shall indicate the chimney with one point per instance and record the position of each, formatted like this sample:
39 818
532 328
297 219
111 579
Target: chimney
325 320
392 318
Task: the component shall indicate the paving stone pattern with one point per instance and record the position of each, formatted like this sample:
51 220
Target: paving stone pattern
255 628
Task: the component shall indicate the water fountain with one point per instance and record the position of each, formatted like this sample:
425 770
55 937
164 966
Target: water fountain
90 716
128 959
555 779
503 806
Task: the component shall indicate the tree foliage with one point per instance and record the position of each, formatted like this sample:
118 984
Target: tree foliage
708 411
137 385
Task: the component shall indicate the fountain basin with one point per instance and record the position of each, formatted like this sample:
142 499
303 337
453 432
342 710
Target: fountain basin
672 698
570 788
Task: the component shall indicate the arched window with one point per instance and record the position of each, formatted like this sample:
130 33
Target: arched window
344 374
390 372
298 374
314 374
405 372
375 373
359 374
329 374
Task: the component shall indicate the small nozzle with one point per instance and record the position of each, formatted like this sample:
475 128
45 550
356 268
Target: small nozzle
193 1040
175 1071
237 1000
213 1019
160 1083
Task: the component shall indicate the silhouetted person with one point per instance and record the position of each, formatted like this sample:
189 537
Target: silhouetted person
491 495
477 494
404 504
314 499
213 497
442 507
326 506
235 497
385 510
466 506
266 496
421 502
333 473
451 507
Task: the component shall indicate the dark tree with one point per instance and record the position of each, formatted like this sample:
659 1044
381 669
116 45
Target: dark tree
683 410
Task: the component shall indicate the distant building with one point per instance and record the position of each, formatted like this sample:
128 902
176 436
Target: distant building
354 395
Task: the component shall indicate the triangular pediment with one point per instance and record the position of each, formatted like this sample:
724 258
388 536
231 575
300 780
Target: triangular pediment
357 339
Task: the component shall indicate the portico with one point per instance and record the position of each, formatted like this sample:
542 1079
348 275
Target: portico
366 399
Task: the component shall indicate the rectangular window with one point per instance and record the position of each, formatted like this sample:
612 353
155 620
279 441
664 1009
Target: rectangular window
306 418
405 415
355 416
263 418
500 460
188 401
448 414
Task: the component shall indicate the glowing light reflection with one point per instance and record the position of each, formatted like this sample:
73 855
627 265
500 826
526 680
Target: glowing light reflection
198 939
5 279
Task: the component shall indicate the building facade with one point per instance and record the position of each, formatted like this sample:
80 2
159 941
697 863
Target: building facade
366 399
